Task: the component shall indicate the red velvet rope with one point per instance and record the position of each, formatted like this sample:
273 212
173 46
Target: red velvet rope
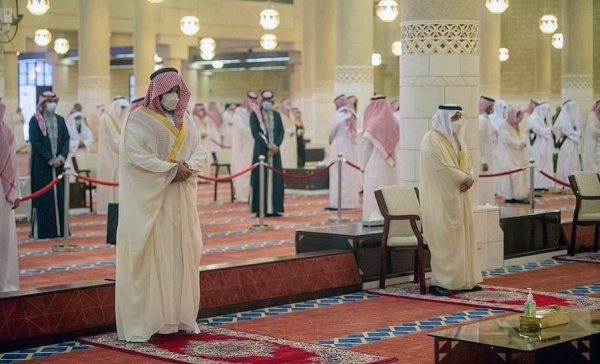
229 178
96 181
353 165
43 190
554 179
503 173
219 144
293 176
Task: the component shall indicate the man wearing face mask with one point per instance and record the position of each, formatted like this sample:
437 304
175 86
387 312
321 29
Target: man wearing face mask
49 139
108 152
447 215
268 132
80 136
159 241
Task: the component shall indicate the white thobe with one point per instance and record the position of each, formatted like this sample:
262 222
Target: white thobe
9 254
591 145
512 154
541 151
289 146
486 156
242 145
17 129
343 142
159 242
377 173
568 154
398 150
227 127
109 132
447 213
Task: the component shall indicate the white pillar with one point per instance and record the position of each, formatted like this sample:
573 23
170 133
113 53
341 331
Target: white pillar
489 43
543 60
11 82
578 56
308 67
144 44
440 64
323 107
353 50
191 79
94 54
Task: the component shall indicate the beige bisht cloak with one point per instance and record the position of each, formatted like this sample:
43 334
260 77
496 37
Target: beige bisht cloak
447 213
158 239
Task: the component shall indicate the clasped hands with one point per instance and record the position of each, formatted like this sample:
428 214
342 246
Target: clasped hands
183 172
273 149
465 186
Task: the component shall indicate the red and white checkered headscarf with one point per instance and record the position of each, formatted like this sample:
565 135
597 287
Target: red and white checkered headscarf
515 116
532 105
215 114
161 82
7 172
136 103
249 101
484 103
199 107
381 124
340 101
46 96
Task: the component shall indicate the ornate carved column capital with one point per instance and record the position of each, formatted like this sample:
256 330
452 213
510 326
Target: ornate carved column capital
445 37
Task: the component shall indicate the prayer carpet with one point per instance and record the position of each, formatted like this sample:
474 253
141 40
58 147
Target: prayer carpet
219 345
582 257
502 298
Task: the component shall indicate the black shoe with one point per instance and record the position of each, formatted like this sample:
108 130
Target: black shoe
512 200
476 288
524 201
273 215
440 291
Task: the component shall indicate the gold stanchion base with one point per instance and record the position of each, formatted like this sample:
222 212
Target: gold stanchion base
65 248
259 227
335 219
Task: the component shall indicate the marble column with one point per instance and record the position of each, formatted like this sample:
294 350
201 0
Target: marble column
191 79
324 58
440 64
307 64
204 87
353 50
11 82
578 56
144 44
94 54
489 43
543 60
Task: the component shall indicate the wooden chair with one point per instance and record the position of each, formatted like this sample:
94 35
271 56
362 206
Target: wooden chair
222 163
401 212
586 188
89 187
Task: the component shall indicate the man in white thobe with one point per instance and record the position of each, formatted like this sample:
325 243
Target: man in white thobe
108 152
567 130
228 121
342 137
159 242
241 145
513 154
542 145
591 143
80 136
497 118
18 122
395 106
289 147
486 151
10 197
380 137
446 178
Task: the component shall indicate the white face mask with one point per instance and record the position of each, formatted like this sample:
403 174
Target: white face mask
266 105
456 126
169 101
51 106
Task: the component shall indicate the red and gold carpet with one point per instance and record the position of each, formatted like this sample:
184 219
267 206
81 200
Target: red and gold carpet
495 297
223 346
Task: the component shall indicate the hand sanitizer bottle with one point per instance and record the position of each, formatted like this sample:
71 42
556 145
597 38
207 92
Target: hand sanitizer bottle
530 308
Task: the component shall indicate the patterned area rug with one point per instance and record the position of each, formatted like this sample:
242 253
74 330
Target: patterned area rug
583 257
219 345
503 298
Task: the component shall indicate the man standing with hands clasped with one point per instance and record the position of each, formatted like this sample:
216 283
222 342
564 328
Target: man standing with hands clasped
158 239
446 177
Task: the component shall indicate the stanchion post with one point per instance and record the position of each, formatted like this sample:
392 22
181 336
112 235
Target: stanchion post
531 185
261 195
66 247
340 165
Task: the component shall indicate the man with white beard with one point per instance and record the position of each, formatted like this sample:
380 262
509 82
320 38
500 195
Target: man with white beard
241 144
568 134
108 152
486 151
541 144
